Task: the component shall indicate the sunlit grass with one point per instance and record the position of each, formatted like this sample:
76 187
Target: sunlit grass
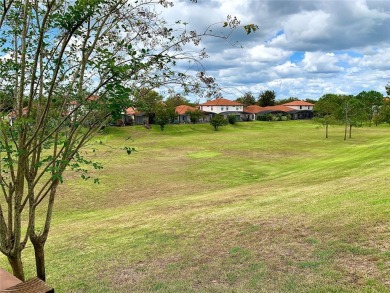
254 207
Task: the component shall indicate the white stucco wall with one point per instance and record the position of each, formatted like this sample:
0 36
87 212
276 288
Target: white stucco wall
220 109
301 107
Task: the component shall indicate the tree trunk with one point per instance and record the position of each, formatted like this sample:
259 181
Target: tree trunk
345 132
326 127
39 250
350 131
17 266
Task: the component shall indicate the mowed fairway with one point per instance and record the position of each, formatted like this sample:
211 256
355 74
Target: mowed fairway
254 207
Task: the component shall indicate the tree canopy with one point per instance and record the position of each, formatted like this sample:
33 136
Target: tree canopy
247 99
266 98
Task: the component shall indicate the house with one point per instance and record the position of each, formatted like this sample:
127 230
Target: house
13 114
251 112
222 106
133 116
279 109
304 109
182 113
300 105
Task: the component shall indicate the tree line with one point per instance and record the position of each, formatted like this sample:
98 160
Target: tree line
352 111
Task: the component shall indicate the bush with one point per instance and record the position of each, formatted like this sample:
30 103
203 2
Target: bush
283 118
261 118
217 121
269 117
232 118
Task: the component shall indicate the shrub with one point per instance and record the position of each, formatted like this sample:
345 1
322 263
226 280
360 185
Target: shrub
217 121
261 118
232 118
283 118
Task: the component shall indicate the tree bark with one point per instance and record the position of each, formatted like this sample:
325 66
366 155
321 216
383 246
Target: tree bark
326 127
39 250
17 265
345 132
350 131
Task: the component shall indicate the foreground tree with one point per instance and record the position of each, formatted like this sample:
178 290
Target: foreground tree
69 66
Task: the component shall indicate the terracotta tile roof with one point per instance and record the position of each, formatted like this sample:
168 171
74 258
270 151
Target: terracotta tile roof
298 103
280 108
182 109
253 109
221 102
90 98
130 111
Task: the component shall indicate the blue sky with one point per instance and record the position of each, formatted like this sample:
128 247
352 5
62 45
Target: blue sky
303 49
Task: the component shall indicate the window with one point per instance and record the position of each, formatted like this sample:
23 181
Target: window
211 108
237 108
300 107
227 108
221 108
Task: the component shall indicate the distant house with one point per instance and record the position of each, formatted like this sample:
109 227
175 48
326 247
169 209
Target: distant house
133 116
182 113
13 114
304 109
251 112
279 109
222 106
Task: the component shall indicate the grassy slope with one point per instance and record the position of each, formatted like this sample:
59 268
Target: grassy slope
256 207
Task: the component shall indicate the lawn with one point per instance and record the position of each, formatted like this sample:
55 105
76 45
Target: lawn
253 207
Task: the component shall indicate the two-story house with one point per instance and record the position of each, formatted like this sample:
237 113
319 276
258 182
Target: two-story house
304 109
222 106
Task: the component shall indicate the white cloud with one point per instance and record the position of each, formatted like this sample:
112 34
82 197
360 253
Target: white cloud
321 63
303 48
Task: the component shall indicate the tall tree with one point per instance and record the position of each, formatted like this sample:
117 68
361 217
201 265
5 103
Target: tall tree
371 102
326 109
164 115
147 101
266 98
70 66
176 100
247 99
351 113
285 101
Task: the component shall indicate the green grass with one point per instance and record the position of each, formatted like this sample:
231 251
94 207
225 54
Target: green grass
253 207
